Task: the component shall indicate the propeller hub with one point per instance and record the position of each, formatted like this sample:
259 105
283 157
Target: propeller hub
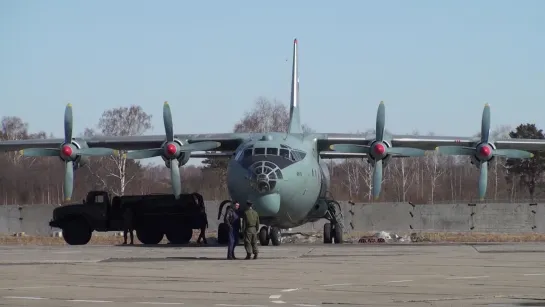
171 149
379 149
67 150
485 151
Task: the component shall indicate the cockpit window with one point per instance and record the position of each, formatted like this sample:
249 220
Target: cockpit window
298 155
272 151
285 153
259 151
247 153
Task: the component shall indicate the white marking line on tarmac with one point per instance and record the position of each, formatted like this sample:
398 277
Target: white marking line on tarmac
334 285
534 274
159 303
278 302
89 301
467 277
25 297
290 290
306 305
29 287
406 280
275 296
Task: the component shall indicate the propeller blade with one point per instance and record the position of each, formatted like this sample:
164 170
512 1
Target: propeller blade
377 179
175 178
406 151
144 153
483 179
381 119
200 146
40 152
68 180
68 123
167 120
513 153
97 151
456 150
485 124
350 148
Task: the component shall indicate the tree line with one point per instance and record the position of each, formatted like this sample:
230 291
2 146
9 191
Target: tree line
429 179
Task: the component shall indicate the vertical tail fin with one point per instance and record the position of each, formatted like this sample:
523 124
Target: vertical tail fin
295 121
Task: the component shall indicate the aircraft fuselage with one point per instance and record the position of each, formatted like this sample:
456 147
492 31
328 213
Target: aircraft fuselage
284 178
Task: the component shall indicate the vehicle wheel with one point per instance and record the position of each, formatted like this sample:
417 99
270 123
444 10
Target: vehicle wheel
337 234
275 236
149 235
327 233
223 234
179 235
77 232
264 236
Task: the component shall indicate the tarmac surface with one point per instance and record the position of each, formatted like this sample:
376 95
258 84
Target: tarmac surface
288 275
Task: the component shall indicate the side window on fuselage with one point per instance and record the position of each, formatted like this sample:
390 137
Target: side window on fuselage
259 151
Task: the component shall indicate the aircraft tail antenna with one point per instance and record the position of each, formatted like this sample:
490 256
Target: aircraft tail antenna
295 121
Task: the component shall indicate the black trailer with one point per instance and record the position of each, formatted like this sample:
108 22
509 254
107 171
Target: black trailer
155 216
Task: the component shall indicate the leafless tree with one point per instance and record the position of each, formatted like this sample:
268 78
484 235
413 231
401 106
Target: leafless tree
122 121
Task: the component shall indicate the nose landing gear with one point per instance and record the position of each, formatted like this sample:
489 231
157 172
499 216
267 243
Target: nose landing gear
333 231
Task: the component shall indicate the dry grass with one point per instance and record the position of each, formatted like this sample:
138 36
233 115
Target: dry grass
431 237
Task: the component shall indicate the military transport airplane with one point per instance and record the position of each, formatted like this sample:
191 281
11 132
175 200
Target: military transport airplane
283 174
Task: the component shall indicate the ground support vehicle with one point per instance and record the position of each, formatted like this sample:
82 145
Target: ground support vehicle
155 216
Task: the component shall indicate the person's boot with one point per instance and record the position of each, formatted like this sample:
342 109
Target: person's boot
248 256
255 256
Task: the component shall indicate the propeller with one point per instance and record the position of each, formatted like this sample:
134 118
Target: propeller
378 150
172 150
68 152
484 151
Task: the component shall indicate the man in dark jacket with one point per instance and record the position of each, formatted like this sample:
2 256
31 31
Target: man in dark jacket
251 226
128 225
232 219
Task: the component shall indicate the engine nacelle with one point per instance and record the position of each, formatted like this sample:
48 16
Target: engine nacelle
474 159
184 156
79 161
385 160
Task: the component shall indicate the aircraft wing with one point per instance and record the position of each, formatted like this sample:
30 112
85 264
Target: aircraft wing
427 143
228 142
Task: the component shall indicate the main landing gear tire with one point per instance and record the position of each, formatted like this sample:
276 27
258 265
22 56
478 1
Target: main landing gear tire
179 235
333 233
77 232
271 234
149 235
223 234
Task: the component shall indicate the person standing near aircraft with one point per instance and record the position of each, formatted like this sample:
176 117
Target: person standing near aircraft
203 225
251 226
128 225
232 219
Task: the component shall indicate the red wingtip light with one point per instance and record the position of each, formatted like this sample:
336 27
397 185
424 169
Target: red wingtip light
66 150
379 149
485 151
295 41
171 149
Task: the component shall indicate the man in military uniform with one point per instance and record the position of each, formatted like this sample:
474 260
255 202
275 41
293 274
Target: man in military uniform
203 224
251 226
128 225
232 219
